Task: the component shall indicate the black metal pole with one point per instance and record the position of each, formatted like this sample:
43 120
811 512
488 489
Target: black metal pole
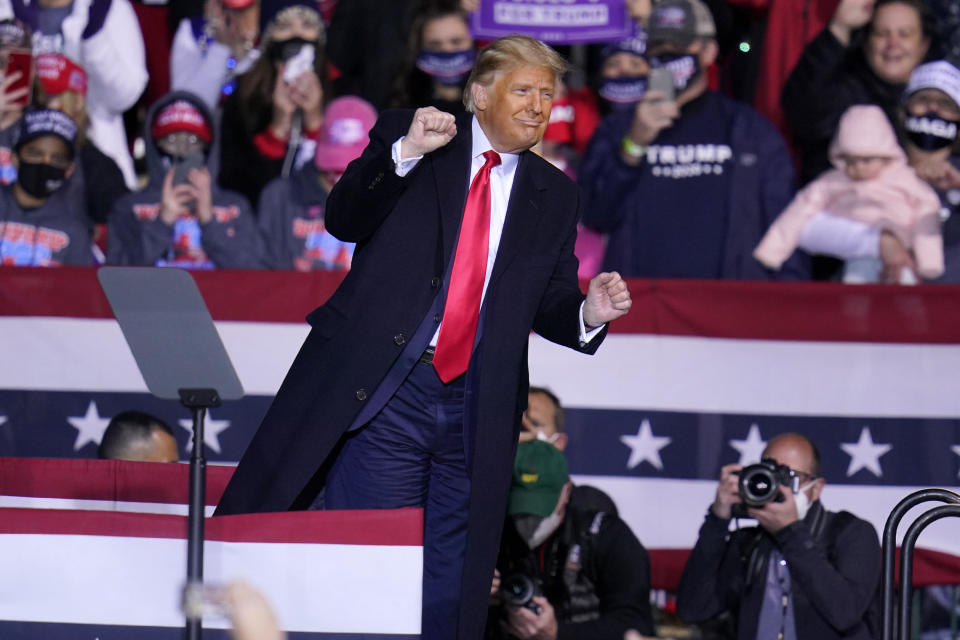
198 401
887 579
195 516
906 559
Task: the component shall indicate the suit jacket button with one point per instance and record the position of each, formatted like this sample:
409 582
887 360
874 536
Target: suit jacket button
437 317
435 282
361 395
399 340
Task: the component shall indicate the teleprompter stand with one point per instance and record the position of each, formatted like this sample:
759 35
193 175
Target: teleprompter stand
178 351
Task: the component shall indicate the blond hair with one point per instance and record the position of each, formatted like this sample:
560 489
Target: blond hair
507 53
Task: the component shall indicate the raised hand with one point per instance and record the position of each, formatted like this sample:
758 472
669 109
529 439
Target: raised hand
850 16
430 130
607 299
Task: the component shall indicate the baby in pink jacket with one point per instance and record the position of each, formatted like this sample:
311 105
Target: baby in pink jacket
871 183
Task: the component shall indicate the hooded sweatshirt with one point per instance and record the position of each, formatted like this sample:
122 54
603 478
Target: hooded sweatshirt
896 200
137 235
291 221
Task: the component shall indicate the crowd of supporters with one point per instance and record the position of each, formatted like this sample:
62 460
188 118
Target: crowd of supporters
208 135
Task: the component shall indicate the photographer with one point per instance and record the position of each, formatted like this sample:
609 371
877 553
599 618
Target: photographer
564 571
804 574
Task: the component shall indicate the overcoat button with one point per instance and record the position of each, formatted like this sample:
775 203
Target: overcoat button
399 340
361 394
435 282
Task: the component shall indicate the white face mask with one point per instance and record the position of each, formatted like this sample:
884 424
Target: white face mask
802 500
543 531
545 438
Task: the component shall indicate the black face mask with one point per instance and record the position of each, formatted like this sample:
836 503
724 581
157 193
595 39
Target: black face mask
283 50
930 132
40 180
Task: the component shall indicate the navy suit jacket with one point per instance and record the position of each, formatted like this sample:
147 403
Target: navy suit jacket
405 230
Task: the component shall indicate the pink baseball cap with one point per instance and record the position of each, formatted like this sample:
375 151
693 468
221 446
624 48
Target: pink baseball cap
346 123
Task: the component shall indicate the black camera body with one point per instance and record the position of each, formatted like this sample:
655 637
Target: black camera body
518 590
760 483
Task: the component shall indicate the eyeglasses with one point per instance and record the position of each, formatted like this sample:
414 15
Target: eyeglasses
180 143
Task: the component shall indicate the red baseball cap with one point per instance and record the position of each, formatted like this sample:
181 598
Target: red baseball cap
58 73
237 5
179 116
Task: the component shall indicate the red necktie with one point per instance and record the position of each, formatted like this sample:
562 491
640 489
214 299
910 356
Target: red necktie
461 313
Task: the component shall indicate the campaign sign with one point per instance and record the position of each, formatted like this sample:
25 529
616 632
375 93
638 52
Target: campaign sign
553 21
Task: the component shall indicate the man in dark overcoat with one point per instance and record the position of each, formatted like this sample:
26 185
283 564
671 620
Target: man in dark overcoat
381 409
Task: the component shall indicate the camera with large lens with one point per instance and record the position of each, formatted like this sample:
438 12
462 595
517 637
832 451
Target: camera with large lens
760 483
518 590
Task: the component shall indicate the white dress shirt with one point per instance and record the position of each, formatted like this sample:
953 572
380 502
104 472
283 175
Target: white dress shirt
501 184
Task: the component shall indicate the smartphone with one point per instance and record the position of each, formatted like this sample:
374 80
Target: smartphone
183 166
302 61
20 60
661 79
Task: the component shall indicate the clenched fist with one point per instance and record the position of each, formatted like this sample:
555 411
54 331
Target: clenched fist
430 130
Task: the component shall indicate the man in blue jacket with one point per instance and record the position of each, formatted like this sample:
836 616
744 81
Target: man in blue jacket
686 186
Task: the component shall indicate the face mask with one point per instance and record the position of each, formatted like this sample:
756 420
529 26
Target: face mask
283 50
802 500
543 436
627 90
40 180
447 67
685 67
930 132
535 530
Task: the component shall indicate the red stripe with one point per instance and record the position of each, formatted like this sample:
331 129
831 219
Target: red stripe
76 478
727 309
929 567
401 527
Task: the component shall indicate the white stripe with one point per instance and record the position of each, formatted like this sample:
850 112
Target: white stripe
630 371
137 581
667 514
70 354
24 502
753 376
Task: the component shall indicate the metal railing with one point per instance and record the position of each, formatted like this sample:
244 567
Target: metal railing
888 578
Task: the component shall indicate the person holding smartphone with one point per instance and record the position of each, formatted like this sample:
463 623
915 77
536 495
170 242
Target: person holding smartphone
14 90
181 217
272 120
686 181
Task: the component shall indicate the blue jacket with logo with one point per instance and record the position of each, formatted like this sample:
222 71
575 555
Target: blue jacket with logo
757 184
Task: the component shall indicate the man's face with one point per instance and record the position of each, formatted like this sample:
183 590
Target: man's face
895 45
541 415
49 150
796 454
515 109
